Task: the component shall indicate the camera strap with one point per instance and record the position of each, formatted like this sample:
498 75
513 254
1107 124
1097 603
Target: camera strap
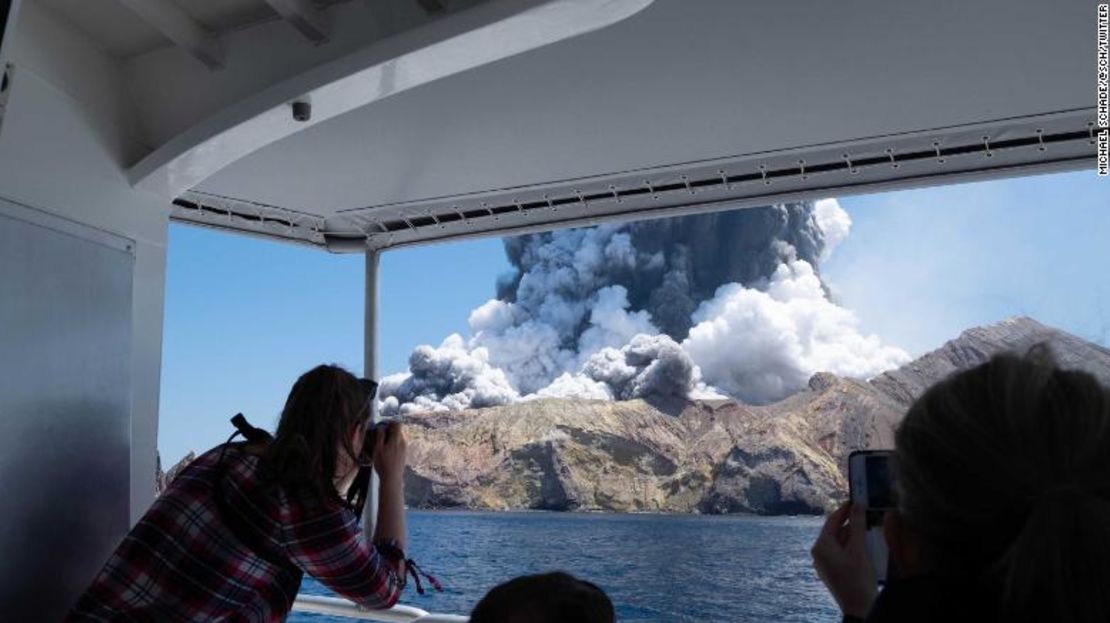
250 433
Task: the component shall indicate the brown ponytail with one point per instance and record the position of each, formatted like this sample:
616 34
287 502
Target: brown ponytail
1004 471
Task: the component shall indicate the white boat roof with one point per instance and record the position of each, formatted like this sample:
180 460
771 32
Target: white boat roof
488 118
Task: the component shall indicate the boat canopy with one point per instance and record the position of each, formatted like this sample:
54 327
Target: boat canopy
435 120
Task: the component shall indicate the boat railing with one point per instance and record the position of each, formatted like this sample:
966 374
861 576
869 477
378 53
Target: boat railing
334 606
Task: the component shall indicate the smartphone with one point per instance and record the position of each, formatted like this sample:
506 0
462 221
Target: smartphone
871 483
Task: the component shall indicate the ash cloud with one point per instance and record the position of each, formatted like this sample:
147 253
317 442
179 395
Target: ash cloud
726 302
450 377
649 366
667 266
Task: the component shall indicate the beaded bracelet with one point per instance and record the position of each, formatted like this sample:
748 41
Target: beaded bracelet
395 554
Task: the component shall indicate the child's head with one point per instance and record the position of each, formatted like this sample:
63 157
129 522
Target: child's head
544 598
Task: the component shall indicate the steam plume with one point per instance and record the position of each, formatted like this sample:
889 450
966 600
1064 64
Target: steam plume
656 308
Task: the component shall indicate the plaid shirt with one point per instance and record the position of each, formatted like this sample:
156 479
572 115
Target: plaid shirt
186 559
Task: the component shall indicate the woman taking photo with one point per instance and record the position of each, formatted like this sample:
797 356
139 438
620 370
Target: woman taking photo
1003 509
233 534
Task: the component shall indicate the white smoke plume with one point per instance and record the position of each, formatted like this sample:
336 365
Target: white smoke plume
834 222
761 345
688 307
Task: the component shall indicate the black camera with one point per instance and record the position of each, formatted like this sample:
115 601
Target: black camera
356 494
369 442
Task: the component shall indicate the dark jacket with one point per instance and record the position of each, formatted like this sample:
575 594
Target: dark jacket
928 599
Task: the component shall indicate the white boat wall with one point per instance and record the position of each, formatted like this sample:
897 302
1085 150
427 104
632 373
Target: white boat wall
365 125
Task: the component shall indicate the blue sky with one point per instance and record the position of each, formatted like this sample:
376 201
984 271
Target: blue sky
244 317
922 265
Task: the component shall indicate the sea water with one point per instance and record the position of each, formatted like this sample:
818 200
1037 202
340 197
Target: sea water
654 567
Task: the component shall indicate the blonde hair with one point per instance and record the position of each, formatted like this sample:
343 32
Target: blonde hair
1004 471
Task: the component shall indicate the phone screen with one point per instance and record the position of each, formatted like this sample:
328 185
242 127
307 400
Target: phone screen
872 484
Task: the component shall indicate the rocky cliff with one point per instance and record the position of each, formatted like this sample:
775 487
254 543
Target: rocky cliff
697 457
975 346
689 457
163 479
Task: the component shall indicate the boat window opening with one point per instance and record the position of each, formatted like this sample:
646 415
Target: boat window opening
1004 221
496 437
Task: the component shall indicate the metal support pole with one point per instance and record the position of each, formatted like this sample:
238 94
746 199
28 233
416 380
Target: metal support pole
370 371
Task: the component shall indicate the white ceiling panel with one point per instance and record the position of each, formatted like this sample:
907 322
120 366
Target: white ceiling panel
122 33
113 26
224 15
681 82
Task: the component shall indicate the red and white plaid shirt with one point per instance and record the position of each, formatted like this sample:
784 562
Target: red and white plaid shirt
186 559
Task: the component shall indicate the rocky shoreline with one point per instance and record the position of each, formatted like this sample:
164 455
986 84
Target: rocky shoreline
707 457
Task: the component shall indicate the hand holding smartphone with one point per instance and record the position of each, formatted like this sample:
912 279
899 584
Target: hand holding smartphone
871 485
